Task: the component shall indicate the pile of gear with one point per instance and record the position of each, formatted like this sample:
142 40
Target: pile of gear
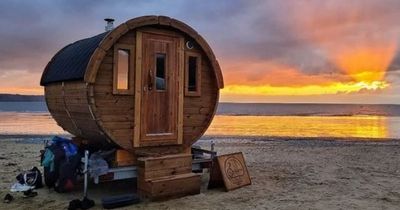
61 167
61 160
62 163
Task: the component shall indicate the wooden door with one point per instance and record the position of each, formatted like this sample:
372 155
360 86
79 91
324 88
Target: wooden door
161 89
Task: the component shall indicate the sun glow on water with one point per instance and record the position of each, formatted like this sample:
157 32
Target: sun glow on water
369 127
333 88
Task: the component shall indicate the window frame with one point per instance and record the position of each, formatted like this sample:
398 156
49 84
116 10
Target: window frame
189 54
131 69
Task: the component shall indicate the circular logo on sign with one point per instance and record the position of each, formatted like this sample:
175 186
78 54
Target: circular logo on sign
234 170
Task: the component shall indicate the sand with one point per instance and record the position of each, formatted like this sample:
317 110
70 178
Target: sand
286 174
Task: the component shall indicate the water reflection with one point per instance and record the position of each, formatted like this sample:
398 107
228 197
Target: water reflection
279 126
13 123
307 126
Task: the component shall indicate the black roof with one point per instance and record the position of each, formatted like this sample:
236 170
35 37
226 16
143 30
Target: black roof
70 62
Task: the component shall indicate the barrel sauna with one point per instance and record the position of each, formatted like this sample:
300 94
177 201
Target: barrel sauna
150 84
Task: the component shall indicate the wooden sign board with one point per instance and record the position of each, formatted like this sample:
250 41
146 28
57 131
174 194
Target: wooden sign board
232 169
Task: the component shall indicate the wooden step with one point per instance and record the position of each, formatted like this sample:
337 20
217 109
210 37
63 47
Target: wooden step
169 186
156 167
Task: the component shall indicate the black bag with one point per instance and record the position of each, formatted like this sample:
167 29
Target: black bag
31 177
119 201
68 172
51 177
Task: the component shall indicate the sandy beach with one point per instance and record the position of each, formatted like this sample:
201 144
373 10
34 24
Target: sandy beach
286 174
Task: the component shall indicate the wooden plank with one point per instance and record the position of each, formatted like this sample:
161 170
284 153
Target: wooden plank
196 110
116 118
108 60
207 97
159 31
181 88
112 106
94 64
142 21
138 84
122 133
128 38
196 116
103 87
170 187
116 102
164 20
86 125
75 93
108 102
151 174
104 83
117 111
118 125
78 108
158 142
196 123
167 161
105 68
190 130
158 151
74 85
199 102
60 100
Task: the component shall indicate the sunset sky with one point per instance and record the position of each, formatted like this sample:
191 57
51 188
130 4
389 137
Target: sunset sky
331 51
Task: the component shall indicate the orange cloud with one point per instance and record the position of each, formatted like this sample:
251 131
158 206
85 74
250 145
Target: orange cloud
358 37
22 90
20 82
275 74
366 63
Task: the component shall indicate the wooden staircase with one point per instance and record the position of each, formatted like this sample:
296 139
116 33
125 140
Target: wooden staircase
168 176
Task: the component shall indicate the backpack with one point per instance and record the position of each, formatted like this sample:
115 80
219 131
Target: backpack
31 177
53 156
68 172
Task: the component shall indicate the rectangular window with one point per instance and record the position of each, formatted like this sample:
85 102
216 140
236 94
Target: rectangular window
123 69
193 74
160 71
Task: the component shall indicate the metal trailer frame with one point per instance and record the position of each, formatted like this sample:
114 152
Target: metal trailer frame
200 162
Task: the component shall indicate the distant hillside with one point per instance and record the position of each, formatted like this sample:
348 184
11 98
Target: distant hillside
17 97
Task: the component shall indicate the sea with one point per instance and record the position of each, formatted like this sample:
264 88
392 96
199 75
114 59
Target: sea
315 121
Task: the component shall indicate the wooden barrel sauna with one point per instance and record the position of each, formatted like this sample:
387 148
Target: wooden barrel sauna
151 83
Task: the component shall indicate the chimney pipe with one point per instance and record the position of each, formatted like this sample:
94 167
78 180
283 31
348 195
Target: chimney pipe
110 24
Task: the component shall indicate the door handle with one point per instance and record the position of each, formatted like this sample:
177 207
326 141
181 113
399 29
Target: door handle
150 82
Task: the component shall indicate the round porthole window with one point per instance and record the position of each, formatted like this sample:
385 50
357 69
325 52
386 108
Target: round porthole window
189 45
